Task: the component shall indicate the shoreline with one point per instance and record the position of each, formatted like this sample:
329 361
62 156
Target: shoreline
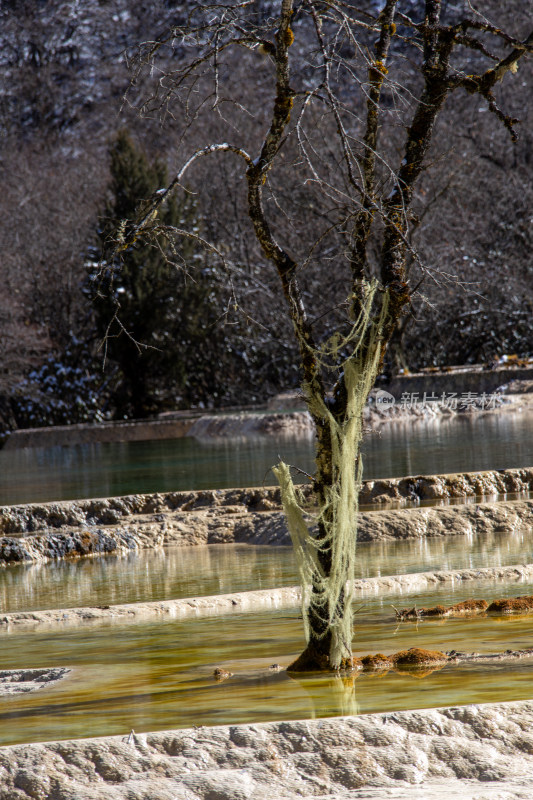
476 752
37 533
288 417
255 600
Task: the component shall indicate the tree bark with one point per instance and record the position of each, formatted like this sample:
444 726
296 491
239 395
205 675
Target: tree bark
366 203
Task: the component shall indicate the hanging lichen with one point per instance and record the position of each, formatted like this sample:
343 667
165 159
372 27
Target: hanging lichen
335 526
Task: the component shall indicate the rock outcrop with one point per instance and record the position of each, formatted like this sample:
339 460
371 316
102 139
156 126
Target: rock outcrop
22 681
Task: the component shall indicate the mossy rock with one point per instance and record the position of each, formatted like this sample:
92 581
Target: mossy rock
376 662
512 605
417 657
467 606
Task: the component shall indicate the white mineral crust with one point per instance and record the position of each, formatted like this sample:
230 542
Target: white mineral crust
472 752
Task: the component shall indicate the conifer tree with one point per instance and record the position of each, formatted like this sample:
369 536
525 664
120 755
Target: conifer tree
153 319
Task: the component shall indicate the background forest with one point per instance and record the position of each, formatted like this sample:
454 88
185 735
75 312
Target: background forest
76 159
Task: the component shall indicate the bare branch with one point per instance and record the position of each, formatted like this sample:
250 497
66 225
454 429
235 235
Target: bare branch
162 194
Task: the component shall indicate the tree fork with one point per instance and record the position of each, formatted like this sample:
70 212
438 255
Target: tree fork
357 204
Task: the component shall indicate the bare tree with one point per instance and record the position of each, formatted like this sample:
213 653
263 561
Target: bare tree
343 133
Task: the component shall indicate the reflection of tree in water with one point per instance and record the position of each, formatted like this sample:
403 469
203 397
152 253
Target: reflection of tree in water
335 694
330 695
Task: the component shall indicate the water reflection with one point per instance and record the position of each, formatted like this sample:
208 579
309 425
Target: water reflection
473 442
144 576
221 569
160 676
329 695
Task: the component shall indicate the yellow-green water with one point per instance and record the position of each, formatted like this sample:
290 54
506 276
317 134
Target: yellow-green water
220 569
159 676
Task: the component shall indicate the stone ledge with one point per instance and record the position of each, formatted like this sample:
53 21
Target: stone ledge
126 431
237 524
398 492
478 751
263 599
22 681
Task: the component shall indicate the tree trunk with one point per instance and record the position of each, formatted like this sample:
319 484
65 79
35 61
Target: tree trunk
324 612
317 653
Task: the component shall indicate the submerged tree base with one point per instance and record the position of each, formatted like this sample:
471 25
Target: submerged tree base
314 660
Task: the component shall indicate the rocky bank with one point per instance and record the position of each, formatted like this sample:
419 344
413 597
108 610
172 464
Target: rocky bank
33 533
235 524
470 752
